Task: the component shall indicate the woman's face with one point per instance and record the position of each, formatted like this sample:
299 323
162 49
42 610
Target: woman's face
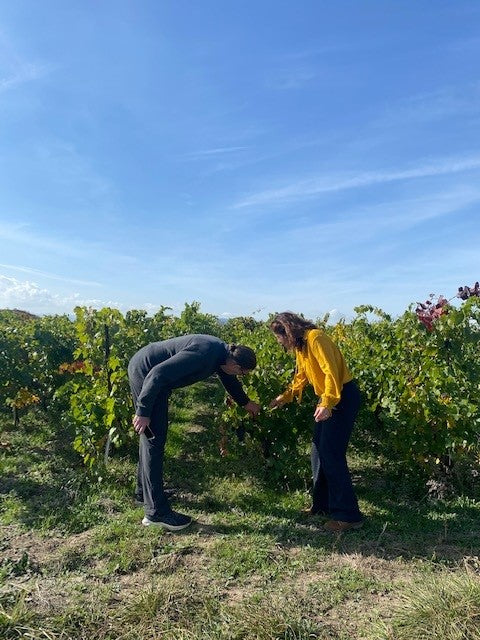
282 339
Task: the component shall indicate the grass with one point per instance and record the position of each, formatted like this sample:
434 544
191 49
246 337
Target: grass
75 562
445 605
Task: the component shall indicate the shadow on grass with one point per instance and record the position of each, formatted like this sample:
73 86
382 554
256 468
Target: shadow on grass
400 520
45 484
443 533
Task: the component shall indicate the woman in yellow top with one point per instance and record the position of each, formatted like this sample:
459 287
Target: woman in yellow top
320 363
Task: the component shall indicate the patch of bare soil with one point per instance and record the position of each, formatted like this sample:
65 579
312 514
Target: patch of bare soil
15 543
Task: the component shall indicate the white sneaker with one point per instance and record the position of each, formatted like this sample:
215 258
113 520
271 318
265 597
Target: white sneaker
172 521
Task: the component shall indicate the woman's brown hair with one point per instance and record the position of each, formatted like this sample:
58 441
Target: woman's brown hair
292 327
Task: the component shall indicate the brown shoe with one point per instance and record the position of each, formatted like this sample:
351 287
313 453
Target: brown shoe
338 526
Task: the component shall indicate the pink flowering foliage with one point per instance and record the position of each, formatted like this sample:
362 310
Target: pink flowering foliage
427 312
469 292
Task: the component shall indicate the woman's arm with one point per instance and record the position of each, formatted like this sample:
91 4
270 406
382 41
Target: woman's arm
295 388
331 363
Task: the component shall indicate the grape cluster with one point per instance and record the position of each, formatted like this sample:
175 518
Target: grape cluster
427 312
469 292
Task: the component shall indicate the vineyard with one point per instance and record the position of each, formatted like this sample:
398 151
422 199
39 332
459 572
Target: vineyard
419 375
76 564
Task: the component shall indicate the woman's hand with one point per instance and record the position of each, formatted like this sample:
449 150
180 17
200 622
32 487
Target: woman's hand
277 402
322 413
140 423
253 408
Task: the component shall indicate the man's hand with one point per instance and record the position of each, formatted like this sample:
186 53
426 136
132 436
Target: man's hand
253 408
140 423
277 402
322 413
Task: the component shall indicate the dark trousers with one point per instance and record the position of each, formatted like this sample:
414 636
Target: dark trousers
332 485
151 453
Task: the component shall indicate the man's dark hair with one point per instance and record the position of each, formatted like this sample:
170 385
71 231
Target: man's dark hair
243 356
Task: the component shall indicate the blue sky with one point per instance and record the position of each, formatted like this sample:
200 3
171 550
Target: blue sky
255 155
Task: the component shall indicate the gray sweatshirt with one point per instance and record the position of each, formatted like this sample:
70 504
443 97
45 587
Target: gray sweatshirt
160 367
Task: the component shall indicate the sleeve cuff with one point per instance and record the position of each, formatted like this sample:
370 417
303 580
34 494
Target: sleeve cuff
286 397
142 413
328 404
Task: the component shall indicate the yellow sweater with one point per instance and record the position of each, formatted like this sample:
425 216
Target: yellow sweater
321 364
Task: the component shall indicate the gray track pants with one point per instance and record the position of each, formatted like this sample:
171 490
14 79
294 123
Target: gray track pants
149 487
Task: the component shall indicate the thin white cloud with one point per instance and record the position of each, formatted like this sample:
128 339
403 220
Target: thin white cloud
205 153
26 73
312 187
64 165
365 234
31 297
446 102
20 233
388 218
288 79
321 51
50 276
152 308
13 291
14 70
298 69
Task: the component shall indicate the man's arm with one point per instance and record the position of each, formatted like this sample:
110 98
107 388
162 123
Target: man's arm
234 388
